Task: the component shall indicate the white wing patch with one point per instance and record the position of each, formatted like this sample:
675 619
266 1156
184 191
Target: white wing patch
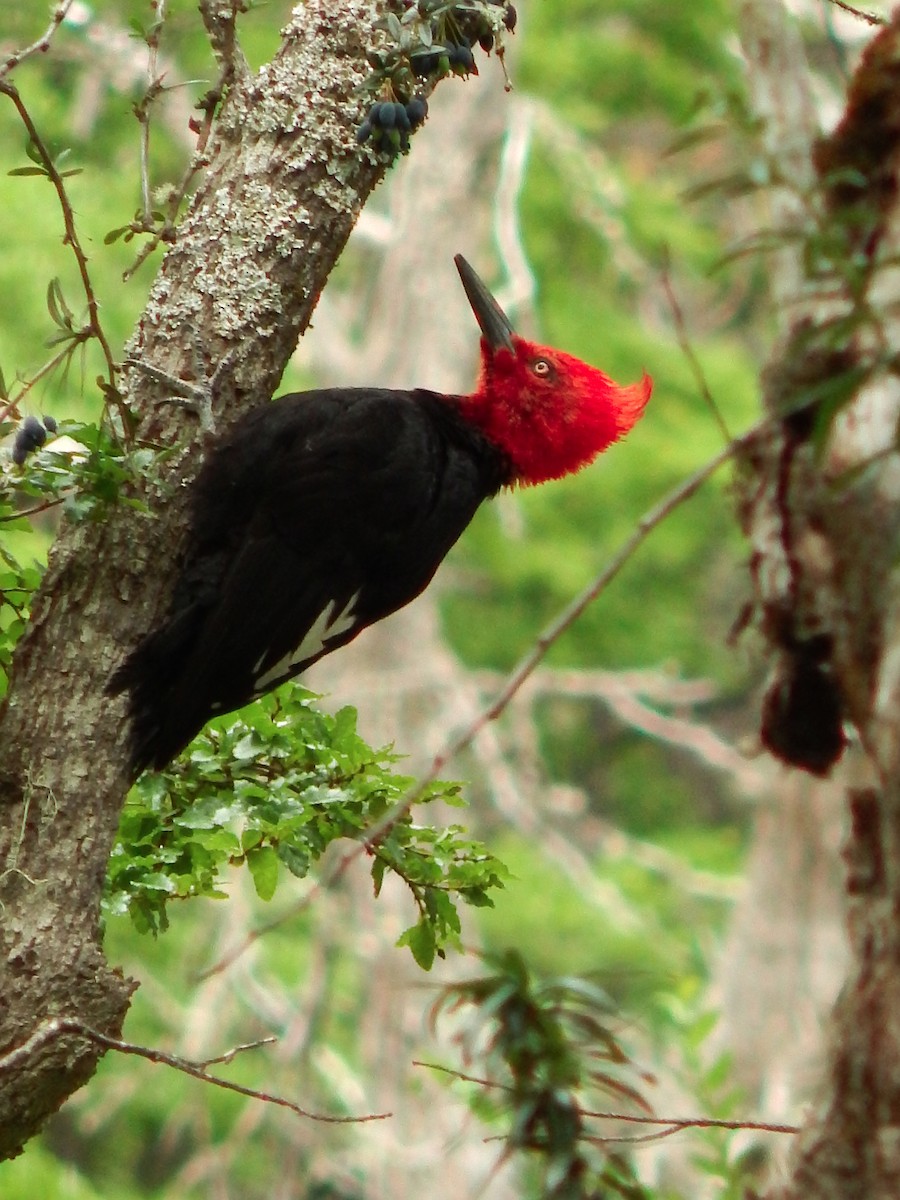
327 626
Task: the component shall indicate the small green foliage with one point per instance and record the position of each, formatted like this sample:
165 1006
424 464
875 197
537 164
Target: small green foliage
273 787
89 473
40 167
83 476
17 584
548 1049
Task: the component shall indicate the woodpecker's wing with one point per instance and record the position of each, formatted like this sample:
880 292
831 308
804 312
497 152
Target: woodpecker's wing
317 516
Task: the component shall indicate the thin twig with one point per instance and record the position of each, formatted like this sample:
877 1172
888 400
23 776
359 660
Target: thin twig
12 406
872 18
22 513
552 632
231 1055
461 1075
690 354
232 65
690 1122
673 1124
72 239
42 44
143 109
51 1030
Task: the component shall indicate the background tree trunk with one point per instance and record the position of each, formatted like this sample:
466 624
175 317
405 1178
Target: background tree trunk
823 523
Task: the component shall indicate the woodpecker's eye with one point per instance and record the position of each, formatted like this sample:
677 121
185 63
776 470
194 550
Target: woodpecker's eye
542 368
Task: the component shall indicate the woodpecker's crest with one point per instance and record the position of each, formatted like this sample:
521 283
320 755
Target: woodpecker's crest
551 413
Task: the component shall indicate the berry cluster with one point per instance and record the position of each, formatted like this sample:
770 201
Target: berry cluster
454 56
475 26
389 124
31 435
431 39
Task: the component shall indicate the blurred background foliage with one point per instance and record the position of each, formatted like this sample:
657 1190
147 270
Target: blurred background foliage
608 226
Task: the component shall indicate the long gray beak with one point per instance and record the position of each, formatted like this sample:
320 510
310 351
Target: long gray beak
490 316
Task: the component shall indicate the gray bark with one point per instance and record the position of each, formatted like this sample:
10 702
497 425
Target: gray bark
284 184
823 523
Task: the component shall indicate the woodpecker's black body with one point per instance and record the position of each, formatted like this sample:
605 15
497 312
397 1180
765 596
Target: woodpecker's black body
318 515
321 513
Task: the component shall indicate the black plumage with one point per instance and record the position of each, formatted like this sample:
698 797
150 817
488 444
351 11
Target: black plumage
317 515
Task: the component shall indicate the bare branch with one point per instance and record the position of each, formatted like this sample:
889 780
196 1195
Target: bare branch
12 407
551 634
50 1031
43 42
143 109
673 1124
690 354
690 1122
23 513
871 18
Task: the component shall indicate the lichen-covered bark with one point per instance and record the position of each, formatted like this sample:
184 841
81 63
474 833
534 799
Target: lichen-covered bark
821 505
284 183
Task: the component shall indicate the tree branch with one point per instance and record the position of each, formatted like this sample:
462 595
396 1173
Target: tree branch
42 45
52 1030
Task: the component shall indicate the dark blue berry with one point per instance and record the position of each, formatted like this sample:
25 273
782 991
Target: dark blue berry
33 433
50 424
461 56
424 65
417 111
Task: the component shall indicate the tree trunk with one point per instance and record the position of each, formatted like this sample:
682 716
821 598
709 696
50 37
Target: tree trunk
284 185
820 506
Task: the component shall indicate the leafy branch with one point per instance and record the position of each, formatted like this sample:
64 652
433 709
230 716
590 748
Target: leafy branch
551 1043
272 789
548 1047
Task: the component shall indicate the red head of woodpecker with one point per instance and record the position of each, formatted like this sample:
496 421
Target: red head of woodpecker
324 511
551 413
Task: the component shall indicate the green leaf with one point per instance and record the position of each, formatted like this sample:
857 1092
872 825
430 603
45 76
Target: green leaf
250 839
379 866
263 864
295 859
421 941
60 313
